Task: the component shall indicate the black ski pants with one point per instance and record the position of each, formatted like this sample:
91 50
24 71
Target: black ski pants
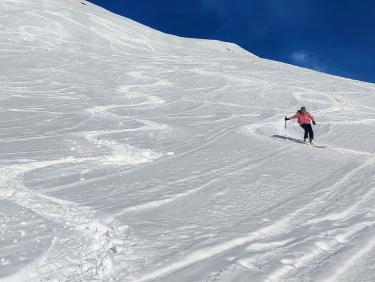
309 133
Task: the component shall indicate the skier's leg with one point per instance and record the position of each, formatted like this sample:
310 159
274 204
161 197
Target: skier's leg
306 135
311 132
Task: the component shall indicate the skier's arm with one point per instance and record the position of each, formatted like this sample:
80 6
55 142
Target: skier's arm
292 117
312 118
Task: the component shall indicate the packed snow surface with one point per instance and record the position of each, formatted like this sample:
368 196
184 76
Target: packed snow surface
130 155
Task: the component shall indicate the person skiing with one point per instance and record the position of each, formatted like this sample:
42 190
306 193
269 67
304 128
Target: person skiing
304 120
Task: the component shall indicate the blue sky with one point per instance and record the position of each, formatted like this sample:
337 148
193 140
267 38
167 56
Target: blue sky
333 36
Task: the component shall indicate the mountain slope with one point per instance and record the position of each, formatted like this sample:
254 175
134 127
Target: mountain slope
134 155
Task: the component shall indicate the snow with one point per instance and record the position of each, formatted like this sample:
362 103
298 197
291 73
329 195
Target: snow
127 154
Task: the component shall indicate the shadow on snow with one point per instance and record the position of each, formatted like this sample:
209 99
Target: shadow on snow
287 138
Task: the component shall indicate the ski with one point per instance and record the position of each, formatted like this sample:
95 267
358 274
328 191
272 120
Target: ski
316 146
319 146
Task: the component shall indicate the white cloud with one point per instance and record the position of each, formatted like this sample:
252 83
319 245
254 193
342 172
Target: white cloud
307 60
299 57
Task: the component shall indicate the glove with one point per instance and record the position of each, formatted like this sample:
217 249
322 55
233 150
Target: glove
314 123
286 118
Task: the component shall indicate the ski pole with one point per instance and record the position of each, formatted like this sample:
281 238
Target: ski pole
285 135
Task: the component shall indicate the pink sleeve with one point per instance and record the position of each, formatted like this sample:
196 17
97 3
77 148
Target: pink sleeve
293 117
310 116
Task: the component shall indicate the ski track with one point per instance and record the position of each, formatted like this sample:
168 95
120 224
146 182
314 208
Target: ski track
321 248
279 227
212 177
83 247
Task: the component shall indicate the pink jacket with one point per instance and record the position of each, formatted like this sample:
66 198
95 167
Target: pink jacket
303 118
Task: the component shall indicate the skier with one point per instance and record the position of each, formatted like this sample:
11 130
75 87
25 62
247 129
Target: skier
304 120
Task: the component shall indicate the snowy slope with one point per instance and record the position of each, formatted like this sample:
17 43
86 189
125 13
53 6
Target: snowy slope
131 155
